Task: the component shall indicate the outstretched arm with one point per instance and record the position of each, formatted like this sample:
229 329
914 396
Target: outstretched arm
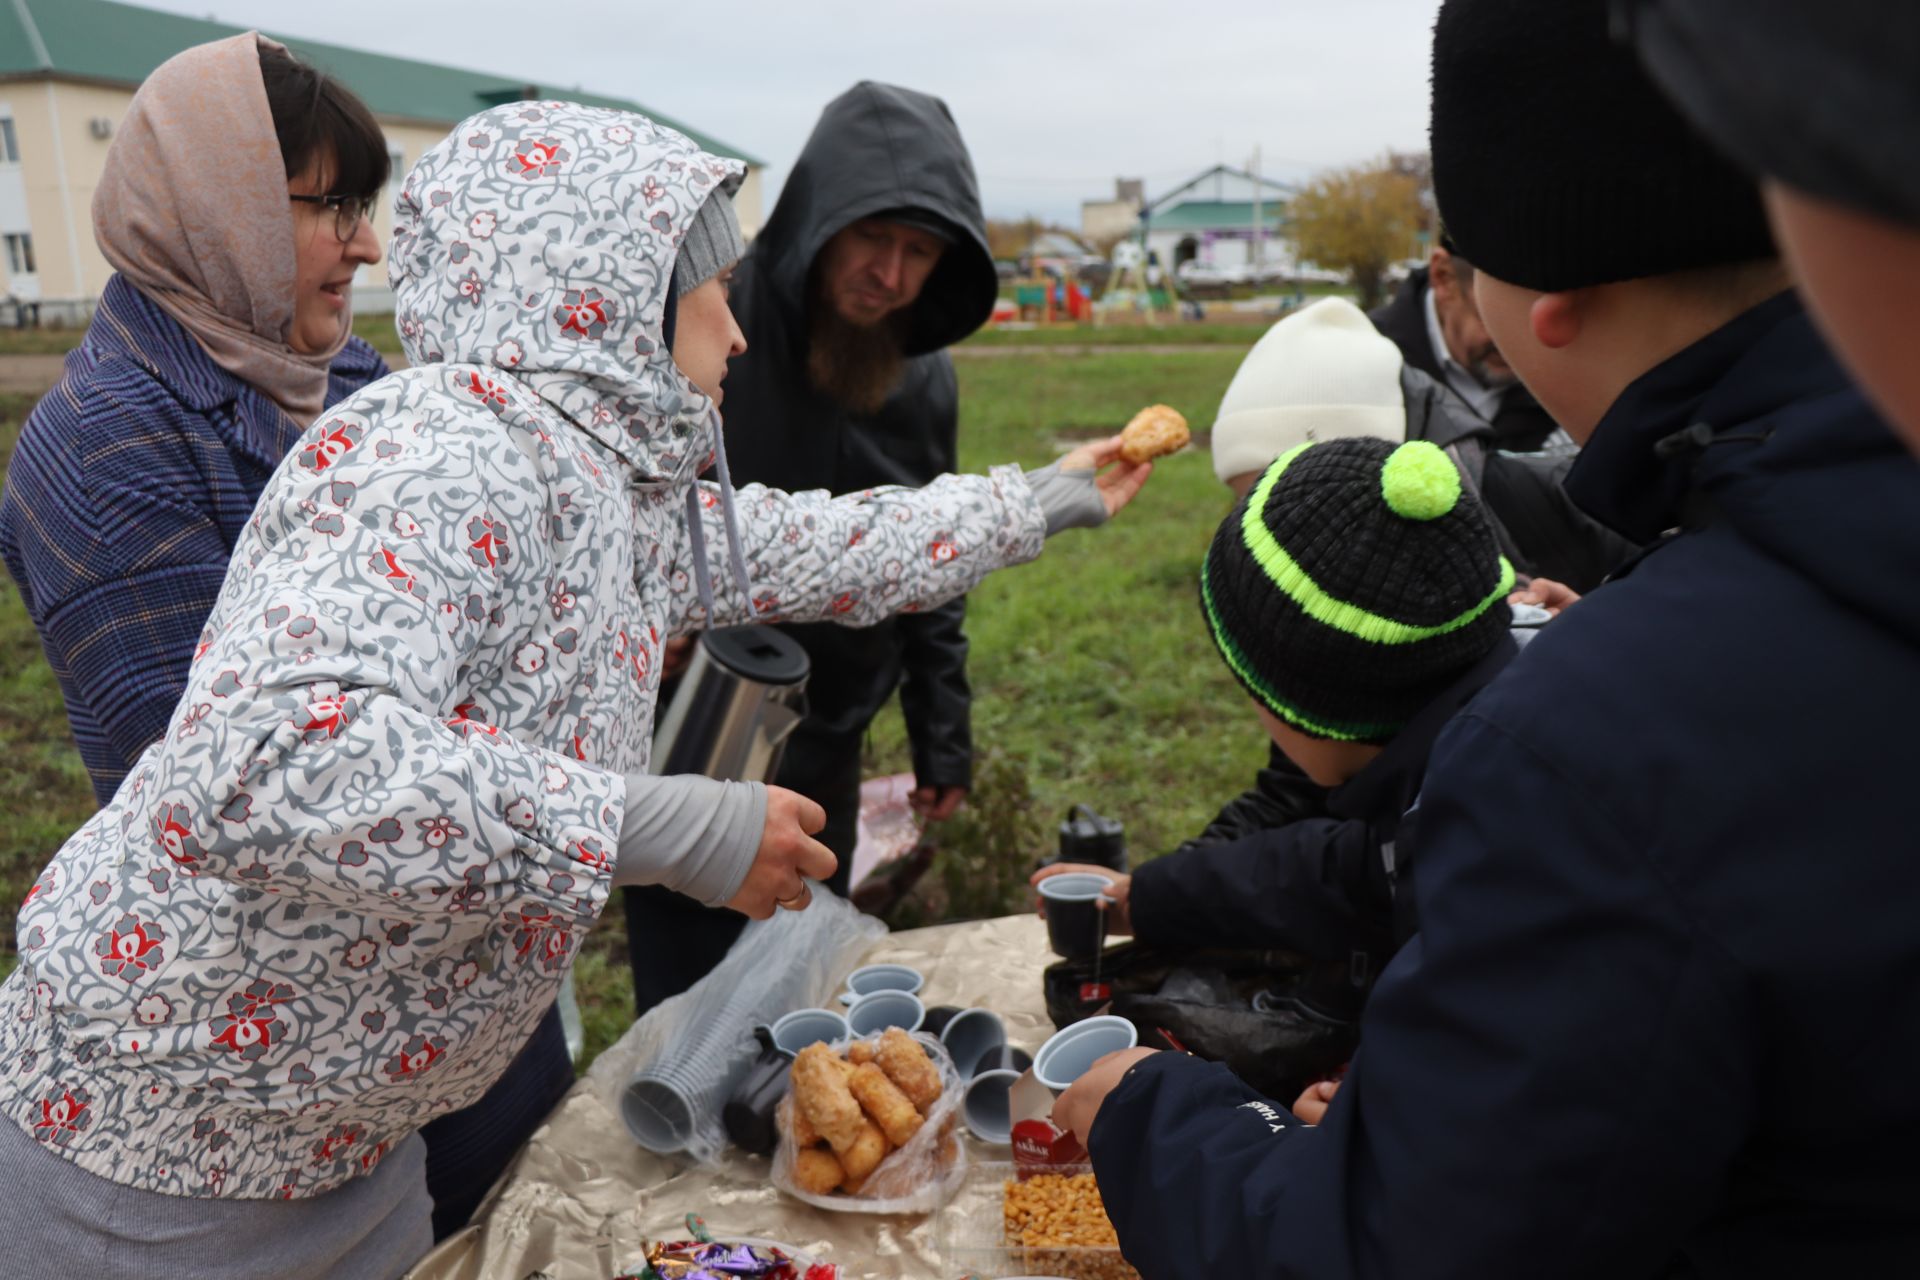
861 557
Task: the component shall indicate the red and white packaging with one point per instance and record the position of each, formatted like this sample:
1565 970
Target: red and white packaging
1039 1145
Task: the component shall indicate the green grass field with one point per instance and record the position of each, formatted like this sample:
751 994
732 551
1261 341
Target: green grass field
43 790
1093 679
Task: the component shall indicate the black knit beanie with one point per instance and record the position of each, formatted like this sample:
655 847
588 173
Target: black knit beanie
1557 163
1824 97
1353 585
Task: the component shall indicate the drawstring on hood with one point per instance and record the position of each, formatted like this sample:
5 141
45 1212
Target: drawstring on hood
538 240
736 558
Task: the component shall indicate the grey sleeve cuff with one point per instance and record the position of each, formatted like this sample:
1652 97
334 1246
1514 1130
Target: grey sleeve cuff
695 835
1068 499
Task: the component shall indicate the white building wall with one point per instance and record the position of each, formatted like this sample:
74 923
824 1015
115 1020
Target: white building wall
63 152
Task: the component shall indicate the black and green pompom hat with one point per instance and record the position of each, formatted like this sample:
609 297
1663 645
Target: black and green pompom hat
1353 585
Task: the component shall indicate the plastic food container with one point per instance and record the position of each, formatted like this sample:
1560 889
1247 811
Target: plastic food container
973 1237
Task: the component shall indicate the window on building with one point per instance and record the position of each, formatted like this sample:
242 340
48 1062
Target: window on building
20 254
371 276
9 142
396 178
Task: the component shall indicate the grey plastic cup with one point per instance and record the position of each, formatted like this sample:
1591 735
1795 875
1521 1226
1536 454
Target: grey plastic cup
988 1106
1002 1057
883 1009
970 1034
1067 1056
795 1031
658 1114
870 978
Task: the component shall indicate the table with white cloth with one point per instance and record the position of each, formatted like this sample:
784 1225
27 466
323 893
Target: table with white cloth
583 1200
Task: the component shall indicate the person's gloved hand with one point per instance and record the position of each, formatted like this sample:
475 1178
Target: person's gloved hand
788 857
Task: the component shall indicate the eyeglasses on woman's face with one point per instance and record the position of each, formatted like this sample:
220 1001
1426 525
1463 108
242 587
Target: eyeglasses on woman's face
348 211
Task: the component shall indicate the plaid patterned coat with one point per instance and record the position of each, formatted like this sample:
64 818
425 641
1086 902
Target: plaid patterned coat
130 485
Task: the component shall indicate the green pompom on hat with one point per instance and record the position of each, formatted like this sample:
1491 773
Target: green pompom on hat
1353 585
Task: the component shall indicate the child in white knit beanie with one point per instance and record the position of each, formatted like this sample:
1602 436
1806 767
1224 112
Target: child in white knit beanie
1322 373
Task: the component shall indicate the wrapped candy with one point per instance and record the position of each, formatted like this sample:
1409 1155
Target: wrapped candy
720 1260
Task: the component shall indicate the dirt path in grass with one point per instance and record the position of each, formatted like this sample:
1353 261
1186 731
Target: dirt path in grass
34 375
968 351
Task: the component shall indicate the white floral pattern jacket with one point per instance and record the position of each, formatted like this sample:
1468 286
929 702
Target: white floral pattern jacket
334 900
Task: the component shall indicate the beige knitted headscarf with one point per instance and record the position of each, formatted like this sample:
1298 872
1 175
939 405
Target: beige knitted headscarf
193 211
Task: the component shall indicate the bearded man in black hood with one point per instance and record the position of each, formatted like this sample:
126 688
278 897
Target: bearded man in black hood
874 262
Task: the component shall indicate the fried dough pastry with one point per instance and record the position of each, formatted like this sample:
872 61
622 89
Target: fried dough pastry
866 1153
908 1066
820 1090
804 1134
816 1172
1155 431
881 1099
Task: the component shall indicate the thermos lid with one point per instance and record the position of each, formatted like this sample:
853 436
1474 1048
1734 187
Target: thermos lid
764 655
1082 823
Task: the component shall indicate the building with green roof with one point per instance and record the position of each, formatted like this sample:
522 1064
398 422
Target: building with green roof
1224 219
68 68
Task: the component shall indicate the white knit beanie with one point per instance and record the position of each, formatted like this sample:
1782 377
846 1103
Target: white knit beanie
1322 373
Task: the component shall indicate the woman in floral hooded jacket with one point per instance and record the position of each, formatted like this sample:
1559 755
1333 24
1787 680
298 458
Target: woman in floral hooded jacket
333 901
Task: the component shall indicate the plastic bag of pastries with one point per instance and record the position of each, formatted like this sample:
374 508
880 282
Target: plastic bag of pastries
916 1176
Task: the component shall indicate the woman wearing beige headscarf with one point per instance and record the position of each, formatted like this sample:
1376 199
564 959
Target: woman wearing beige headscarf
234 207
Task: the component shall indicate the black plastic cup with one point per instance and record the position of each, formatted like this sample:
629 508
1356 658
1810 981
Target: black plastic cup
937 1019
1002 1058
1076 919
750 1114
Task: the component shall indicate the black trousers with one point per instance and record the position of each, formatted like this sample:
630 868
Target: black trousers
673 941
469 1149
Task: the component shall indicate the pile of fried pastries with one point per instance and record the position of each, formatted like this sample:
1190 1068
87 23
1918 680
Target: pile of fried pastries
848 1113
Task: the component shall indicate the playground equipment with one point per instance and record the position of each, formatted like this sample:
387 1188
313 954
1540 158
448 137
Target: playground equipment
1131 287
1041 299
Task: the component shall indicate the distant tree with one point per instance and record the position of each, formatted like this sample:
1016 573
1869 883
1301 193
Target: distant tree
1418 165
1007 238
1361 221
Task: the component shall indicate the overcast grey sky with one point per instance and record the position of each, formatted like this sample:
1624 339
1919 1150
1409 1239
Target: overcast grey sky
1055 97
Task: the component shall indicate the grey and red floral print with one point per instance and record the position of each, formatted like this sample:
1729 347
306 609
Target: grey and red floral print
334 900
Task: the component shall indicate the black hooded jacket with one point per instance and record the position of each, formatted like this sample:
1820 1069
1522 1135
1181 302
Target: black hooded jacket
876 148
1321 884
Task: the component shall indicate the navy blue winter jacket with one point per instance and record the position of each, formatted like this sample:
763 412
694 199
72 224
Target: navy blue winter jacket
1320 885
1662 1016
